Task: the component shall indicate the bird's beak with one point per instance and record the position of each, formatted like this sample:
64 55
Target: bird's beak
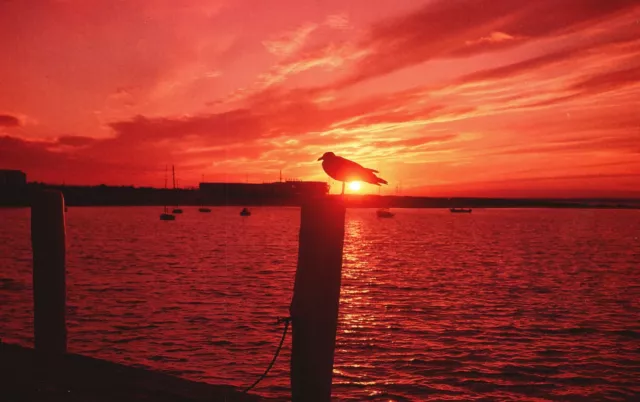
321 158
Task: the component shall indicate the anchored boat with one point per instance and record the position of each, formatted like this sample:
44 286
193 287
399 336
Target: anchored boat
460 210
384 213
165 215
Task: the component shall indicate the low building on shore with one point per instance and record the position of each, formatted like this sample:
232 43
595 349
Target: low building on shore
12 178
285 189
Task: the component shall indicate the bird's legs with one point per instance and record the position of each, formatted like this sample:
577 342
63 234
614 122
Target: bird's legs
342 189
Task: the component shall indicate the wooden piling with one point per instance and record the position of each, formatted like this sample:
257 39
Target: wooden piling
316 294
49 291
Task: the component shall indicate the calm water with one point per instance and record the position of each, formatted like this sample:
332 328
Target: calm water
499 304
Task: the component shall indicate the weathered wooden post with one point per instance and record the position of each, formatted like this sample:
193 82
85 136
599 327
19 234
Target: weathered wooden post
49 291
316 294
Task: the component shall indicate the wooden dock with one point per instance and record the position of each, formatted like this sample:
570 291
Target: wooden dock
85 379
49 373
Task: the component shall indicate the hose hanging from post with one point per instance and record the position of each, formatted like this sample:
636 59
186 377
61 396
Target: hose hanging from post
286 321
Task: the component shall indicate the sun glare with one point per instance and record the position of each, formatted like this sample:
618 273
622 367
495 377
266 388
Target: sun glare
354 186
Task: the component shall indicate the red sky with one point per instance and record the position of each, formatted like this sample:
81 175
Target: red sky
456 97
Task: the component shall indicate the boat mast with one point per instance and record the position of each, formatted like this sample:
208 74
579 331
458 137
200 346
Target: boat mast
173 172
165 186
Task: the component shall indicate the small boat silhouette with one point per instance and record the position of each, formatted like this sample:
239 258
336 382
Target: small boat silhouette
245 212
167 217
460 210
384 213
204 209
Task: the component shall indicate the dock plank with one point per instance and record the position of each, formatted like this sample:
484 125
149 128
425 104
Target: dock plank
24 377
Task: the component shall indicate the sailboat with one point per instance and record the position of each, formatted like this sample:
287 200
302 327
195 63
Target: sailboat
176 210
202 207
384 212
165 215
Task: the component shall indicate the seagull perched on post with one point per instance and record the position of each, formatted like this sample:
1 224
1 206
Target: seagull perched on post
344 170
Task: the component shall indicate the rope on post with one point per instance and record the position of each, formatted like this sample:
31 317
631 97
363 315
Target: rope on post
286 321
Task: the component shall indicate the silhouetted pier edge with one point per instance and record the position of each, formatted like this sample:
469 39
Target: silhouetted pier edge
49 372
81 378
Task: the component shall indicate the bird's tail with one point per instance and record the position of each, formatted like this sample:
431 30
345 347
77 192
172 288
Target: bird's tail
370 177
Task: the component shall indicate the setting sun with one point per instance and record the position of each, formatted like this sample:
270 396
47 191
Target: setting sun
354 186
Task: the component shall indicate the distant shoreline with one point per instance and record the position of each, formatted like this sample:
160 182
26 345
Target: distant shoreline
132 196
599 207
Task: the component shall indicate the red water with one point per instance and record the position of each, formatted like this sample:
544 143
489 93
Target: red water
498 304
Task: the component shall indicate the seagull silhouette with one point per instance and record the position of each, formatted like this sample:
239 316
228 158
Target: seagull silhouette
344 170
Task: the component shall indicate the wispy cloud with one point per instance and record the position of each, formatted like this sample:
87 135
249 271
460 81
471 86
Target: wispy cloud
437 31
288 43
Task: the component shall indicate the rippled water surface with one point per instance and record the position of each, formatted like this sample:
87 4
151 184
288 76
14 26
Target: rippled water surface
499 304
